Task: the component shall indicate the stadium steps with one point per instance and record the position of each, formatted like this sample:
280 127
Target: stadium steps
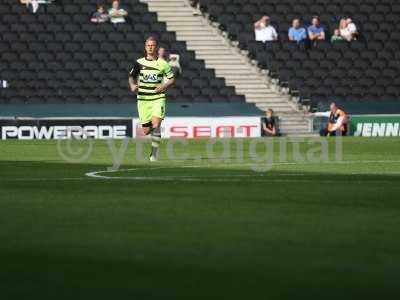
227 61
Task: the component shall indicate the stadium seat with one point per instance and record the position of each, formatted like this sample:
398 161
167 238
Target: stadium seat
66 57
363 62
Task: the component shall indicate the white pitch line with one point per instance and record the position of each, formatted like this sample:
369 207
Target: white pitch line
217 178
345 162
256 177
230 178
187 179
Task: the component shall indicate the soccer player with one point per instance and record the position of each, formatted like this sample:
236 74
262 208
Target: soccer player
150 77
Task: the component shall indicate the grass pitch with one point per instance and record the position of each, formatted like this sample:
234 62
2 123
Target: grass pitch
200 227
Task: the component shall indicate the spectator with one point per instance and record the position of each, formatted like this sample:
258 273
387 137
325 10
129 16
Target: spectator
172 59
296 32
344 30
117 14
336 37
352 28
3 84
100 16
162 53
33 3
175 64
337 123
316 32
269 124
264 31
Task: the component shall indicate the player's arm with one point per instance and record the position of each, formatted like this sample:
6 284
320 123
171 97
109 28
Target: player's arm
133 77
165 86
170 80
133 84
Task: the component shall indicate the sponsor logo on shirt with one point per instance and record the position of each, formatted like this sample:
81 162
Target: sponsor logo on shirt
151 77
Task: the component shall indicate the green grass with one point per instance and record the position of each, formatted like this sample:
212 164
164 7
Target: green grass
199 228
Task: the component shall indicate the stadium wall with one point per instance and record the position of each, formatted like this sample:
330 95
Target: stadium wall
119 128
377 125
174 127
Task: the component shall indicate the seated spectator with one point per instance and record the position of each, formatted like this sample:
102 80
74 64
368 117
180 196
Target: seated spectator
269 124
33 3
336 37
296 32
117 14
264 31
100 16
337 123
3 84
316 32
162 53
344 31
352 28
172 59
175 64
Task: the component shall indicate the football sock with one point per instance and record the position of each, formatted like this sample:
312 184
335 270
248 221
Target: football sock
155 140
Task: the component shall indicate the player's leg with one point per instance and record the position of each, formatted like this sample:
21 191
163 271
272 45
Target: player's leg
145 116
147 128
158 115
155 137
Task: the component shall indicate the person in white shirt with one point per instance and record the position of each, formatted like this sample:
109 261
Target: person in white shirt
175 64
3 84
171 59
117 14
337 122
34 3
352 28
344 30
264 31
348 29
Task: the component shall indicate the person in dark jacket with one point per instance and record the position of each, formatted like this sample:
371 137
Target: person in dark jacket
269 124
